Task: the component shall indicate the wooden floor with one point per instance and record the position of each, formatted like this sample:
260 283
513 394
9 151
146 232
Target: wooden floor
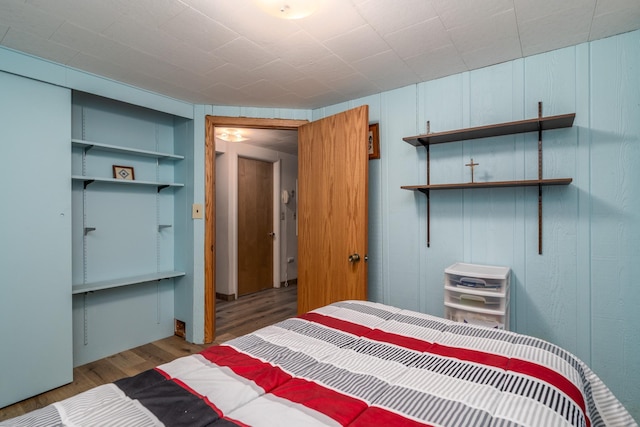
233 318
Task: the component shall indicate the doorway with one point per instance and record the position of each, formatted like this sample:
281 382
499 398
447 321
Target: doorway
276 149
210 196
255 226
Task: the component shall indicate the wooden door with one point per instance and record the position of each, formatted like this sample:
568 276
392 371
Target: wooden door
333 191
255 225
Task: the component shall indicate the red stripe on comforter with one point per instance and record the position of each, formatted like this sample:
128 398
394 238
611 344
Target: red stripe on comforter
551 377
331 403
339 324
263 374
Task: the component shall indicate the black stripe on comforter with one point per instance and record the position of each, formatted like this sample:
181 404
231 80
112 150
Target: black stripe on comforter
172 403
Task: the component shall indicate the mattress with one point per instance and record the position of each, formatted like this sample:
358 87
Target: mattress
355 363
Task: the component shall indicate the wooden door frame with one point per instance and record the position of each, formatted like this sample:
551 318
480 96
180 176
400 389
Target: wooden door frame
210 197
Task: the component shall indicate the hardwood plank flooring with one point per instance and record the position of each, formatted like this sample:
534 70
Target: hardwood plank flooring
233 318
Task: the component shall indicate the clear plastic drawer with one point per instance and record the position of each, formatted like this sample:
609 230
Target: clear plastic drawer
478 277
476 318
477 299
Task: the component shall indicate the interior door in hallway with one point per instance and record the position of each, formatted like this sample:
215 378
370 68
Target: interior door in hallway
255 225
333 163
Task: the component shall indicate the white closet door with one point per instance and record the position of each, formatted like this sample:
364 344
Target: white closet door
35 238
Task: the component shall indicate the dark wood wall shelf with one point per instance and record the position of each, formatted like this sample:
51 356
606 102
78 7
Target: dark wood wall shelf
538 124
494 184
500 129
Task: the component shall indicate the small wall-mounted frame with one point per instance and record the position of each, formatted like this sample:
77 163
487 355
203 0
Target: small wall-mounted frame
123 172
374 141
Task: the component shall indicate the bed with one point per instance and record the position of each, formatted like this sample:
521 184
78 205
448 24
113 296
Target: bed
355 363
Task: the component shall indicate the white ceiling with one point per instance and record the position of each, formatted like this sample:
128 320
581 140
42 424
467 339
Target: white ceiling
229 52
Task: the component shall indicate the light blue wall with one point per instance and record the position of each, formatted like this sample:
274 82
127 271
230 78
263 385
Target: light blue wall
581 293
189 290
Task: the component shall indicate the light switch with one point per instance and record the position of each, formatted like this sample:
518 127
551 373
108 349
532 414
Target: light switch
196 211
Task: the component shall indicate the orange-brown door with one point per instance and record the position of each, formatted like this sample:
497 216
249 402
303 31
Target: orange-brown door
255 226
333 191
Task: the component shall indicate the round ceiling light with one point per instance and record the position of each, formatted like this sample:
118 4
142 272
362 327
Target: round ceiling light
288 9
231 135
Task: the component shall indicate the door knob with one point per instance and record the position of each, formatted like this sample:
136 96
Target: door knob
354 257
272 234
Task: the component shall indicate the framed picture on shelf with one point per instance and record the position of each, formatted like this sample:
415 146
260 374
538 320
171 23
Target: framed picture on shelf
374 141
123 172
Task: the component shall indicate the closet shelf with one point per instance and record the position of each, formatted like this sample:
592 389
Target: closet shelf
494 184
500 129
88 145
127 281
89 179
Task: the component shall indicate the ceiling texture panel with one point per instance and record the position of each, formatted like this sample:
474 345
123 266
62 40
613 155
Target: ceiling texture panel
235 53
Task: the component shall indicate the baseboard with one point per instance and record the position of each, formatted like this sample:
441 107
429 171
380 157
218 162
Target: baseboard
225 297
291 282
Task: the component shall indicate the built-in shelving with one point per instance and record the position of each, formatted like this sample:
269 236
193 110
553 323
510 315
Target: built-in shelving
127 231
90 179
88 145
127 281
538 124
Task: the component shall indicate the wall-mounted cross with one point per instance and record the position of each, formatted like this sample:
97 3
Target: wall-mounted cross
472 165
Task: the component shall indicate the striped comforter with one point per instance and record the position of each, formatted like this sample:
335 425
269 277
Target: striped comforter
358 364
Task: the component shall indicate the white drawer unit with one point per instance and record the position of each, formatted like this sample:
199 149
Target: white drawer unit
477 294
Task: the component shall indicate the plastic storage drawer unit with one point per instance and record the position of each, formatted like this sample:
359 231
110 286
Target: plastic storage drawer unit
477 294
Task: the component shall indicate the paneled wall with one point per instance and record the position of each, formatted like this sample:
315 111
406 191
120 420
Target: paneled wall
580 293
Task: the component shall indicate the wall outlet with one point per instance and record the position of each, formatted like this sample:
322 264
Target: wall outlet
196 211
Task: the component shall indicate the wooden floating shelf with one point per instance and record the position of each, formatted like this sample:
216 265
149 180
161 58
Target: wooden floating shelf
509 128
127 281
495 184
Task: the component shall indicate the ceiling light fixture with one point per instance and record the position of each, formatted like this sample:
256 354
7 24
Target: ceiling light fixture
288 9
231 135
